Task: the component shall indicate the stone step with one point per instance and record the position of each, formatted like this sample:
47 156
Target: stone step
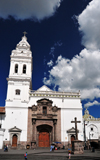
44 157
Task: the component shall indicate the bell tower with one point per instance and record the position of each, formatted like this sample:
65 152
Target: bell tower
19 84
19 80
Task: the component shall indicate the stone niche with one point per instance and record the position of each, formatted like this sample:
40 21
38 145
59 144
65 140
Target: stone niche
77 147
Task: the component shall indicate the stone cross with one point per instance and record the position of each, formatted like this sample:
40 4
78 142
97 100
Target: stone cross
25 33
76 126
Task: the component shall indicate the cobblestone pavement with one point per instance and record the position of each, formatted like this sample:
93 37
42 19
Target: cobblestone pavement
45 154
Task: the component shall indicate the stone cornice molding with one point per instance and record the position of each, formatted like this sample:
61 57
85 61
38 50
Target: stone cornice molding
55 94
71 108
10 83
16 107
1 129
93 120
23 79
20 57
14 51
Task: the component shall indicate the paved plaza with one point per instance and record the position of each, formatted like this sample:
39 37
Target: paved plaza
45 154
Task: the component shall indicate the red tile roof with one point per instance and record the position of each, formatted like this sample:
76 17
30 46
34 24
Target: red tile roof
2 110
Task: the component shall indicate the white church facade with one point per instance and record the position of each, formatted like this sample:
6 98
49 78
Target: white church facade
92 130
36 118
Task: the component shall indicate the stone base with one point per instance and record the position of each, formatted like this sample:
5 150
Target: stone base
77 147
21 145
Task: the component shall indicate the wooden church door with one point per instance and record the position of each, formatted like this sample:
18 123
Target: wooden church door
72 139
14 141
44 139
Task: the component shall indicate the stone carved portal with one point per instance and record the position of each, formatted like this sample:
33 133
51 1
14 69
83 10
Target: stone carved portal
44 136
43 124
15 136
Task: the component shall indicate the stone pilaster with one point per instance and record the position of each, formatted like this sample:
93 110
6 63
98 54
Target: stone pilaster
54 123
34 130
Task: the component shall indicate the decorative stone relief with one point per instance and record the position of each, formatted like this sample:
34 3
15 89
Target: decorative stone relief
54 109
34 108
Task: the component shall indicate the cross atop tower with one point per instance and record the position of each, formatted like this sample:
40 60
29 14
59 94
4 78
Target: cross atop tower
24 33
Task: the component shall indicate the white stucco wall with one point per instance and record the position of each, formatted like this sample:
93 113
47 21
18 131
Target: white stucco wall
16 117
1 137
23 86
2 130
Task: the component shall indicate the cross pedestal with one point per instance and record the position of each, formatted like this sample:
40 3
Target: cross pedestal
77 145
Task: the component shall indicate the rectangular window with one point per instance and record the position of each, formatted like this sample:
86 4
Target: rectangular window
44 110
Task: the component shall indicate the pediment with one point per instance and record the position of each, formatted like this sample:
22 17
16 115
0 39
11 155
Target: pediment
44 101
15 129
72 130
44 88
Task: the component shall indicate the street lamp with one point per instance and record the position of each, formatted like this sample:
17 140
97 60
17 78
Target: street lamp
84 136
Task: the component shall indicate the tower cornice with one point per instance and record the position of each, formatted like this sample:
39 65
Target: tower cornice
19 79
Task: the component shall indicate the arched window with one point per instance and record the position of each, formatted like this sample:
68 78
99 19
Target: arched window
17 92
24 68
16 68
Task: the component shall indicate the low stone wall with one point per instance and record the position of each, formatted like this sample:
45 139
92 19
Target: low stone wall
77 147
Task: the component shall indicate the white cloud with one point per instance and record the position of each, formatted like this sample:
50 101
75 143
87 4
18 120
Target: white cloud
82 73
28 9
52 51
59 44
50 64
89 104
89 22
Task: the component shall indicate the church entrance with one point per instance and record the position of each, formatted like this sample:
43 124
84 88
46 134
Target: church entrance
45 135
44 138
14 140
72 139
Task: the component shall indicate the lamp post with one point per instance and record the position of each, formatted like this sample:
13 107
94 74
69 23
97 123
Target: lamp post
84 136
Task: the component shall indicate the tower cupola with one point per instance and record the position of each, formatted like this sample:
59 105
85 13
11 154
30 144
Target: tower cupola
23 44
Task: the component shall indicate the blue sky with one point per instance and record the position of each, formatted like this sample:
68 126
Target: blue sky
65 42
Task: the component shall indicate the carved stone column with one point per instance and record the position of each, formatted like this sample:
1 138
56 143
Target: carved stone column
54 123
34 130
50 137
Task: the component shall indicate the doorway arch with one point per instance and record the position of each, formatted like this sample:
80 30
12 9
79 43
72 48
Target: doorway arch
14 140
